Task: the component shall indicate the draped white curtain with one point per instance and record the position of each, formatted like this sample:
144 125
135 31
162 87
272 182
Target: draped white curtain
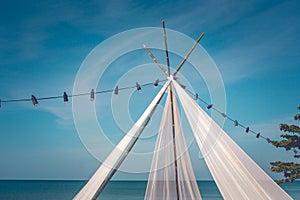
235 173
162 177
116 157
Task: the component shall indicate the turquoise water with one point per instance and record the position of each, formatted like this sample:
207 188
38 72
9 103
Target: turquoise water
115 190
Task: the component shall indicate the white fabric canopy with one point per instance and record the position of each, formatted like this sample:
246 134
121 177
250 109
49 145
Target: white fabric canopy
98 181
235 173
162 177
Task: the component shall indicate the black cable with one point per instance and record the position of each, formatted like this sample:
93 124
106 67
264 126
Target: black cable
15 100
76 95
257 134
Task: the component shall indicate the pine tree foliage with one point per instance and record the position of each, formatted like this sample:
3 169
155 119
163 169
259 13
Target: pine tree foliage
290 141
290 170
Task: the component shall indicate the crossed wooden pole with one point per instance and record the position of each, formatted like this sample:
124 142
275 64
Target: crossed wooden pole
168 74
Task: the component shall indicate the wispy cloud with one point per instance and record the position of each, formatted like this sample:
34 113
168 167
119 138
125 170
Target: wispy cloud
63 114
259 42
244 38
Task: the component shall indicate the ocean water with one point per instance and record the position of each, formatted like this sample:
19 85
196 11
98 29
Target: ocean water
115 190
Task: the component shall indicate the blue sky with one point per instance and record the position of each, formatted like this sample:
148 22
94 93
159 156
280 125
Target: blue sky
255 45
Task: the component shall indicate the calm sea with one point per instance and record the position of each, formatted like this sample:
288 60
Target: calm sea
119 190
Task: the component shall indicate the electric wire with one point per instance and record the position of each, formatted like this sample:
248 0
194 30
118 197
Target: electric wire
225 115
77 95
192 94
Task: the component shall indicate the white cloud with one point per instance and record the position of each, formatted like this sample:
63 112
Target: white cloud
63 114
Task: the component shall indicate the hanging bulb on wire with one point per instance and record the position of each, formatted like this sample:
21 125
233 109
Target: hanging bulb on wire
65 97
236 123
34 101
116 92
156 83
247 129
257 135
209 106
224 115
138 87
183 86
92 95
196 97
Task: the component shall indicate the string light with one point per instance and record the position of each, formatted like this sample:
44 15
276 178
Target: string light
92 95
236 123
138 87
209 106
66 99
247 129
34 101
196 97
116 92
183 86
257 135
156 83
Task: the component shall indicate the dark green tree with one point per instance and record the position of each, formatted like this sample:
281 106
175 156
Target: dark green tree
291 142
